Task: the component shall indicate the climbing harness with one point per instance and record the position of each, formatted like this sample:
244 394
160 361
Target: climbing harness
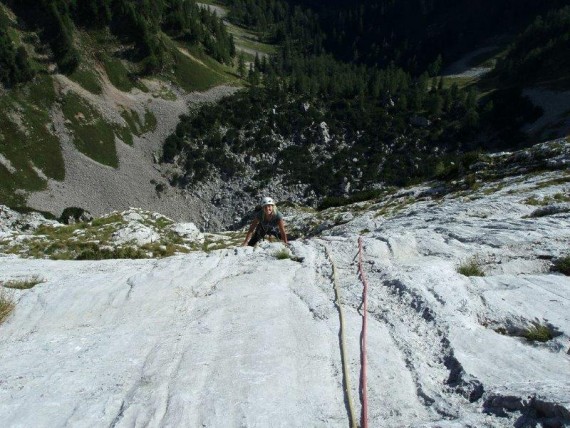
344 357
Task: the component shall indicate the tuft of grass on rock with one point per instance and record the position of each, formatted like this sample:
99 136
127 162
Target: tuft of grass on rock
24 284
282 254
6 305
98 253
471 267
562 265
538 333
547 200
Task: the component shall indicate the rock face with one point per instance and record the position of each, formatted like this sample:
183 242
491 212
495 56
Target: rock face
237 337
13 222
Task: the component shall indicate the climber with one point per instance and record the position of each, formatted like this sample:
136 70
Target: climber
266 221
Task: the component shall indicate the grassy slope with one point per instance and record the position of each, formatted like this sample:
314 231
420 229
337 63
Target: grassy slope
29 149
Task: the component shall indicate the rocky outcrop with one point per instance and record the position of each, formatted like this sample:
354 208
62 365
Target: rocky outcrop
182 340
13 222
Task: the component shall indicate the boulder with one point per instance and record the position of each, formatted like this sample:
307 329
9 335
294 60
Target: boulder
72 215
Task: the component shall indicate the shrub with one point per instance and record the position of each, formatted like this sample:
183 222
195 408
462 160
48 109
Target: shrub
339 201
24 284
74 214
471 267
282 254
538 333
6 305
562 265
97 253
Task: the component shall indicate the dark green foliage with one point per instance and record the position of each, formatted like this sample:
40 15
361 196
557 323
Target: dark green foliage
14 64
7 305
361 106
541 53
53 20
507 111
137 21
538 333
471 267
416 34
93 13
172 146
282 254
339 201
368 107
562 265
451 166
95 252
59 33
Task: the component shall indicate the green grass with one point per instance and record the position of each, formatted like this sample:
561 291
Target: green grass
27 134
535 333
101 221
94 241
192 75
547 200
92 135
6 305
40 92
135 125
5 19
391 208
124 134
24 284
26 140
117 73
150 122
471 267
250 39
88 80
339 201
538 333
461 82
103 47
96 252
534 201
282 254
554 182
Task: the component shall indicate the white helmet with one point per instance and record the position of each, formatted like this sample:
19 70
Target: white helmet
267 201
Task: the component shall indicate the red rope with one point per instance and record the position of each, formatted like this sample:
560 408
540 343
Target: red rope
363 392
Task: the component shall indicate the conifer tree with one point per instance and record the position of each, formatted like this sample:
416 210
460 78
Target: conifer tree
241 65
